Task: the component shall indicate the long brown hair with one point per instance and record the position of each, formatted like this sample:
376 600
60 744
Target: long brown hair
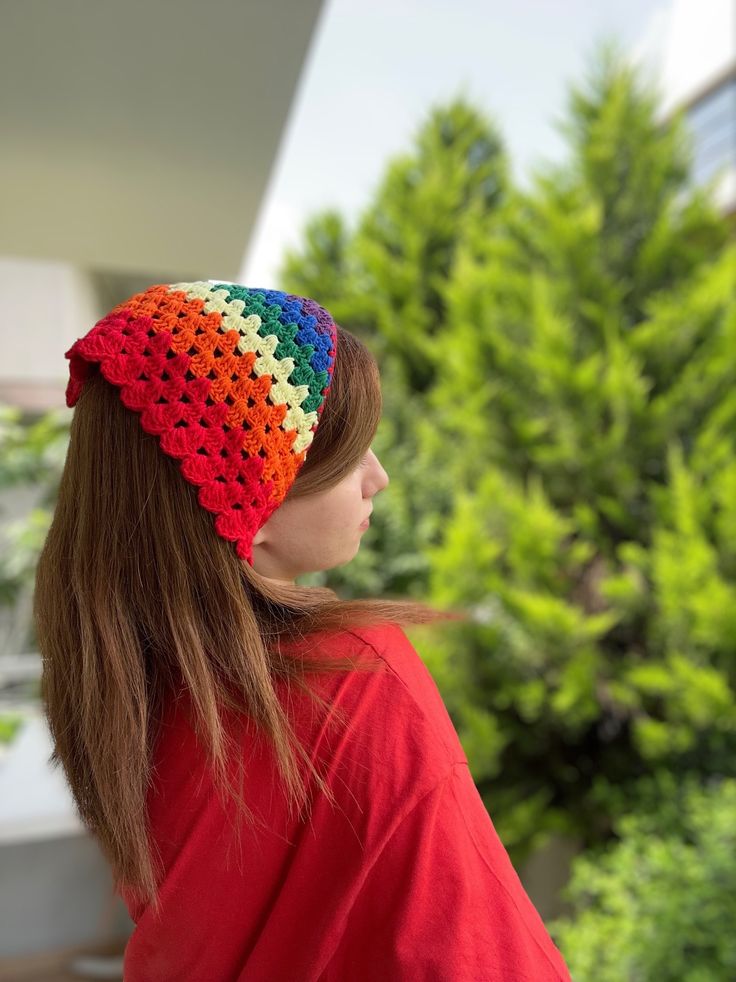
135 592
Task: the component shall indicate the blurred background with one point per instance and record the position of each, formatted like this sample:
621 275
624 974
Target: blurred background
527 212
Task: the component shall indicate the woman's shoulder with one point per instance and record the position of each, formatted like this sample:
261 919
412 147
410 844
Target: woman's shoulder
387 639
402 700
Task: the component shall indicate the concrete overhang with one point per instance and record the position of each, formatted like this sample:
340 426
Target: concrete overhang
140 135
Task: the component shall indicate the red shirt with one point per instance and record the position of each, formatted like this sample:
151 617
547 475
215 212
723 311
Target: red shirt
405 880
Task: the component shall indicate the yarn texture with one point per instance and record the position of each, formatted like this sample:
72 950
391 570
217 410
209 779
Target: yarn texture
231 380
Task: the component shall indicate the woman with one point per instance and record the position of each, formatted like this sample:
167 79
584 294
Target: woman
270 770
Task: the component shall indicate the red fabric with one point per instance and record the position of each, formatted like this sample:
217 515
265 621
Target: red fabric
405 880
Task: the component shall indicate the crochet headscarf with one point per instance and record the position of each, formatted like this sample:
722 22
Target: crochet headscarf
232 381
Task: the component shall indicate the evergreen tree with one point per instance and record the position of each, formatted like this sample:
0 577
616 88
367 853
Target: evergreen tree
594 341
559 371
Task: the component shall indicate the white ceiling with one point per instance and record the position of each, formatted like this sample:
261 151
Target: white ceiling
140 135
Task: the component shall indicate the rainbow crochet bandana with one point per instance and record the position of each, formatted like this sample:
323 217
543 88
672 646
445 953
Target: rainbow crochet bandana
231 380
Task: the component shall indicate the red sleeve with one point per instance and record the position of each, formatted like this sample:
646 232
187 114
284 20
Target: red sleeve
441 902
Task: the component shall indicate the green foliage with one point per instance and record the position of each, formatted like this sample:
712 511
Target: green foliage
602 386
10 725
32 450
32 453
659 904
559 370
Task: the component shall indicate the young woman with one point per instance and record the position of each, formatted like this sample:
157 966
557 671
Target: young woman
270 770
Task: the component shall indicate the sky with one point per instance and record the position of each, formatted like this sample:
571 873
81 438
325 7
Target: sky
375 69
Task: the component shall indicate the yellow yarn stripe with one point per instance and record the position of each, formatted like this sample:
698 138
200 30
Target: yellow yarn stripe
282 392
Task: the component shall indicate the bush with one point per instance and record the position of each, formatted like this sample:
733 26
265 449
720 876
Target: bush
659 905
